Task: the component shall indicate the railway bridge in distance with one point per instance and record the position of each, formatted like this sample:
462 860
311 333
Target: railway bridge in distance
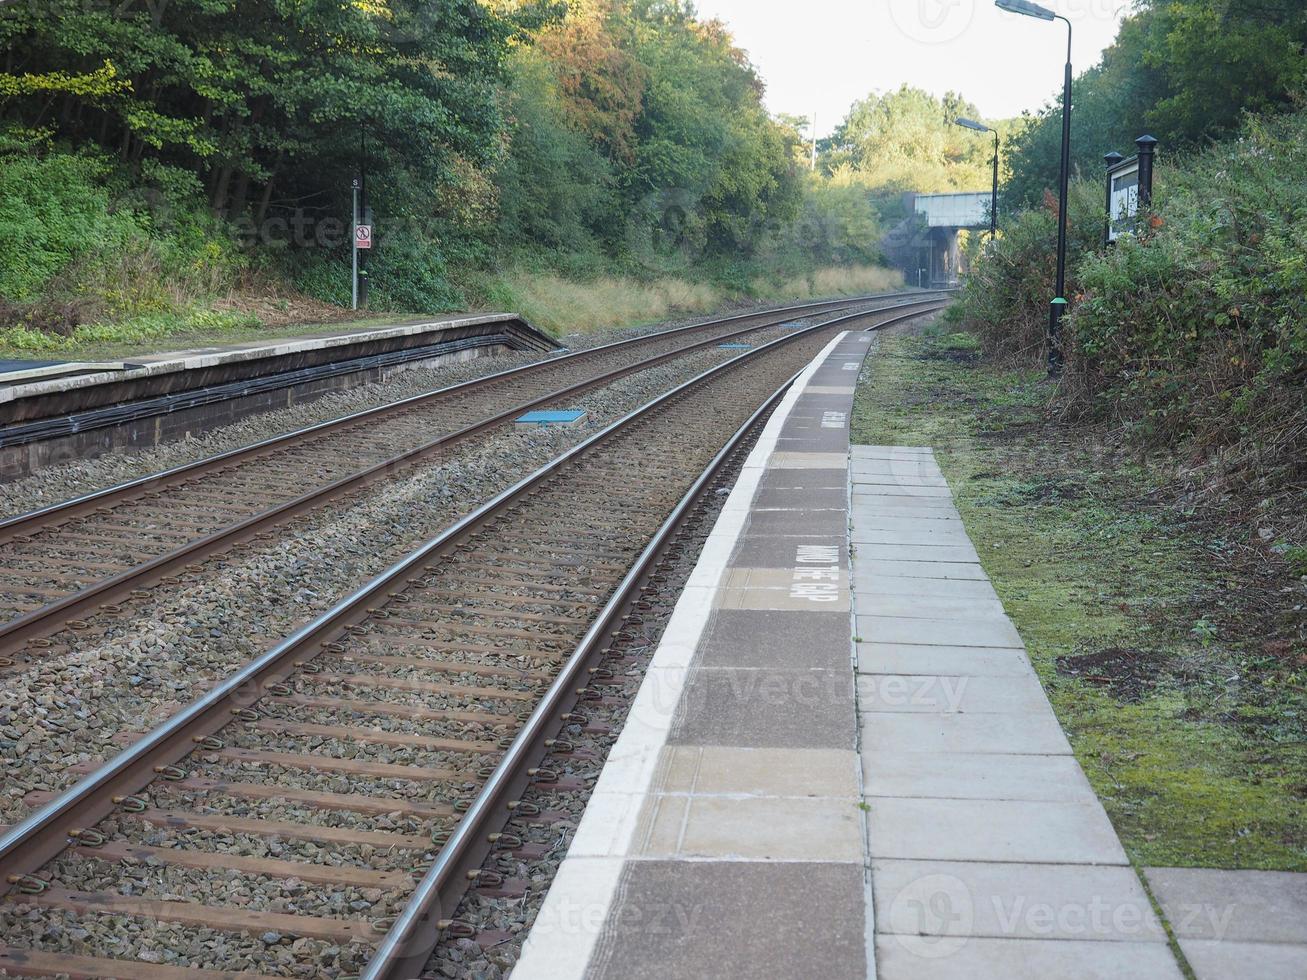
928 248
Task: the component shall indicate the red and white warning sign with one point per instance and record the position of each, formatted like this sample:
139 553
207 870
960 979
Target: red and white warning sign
362 236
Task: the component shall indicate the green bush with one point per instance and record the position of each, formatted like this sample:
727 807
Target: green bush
1006 298
56 213
1198 330
1192 334
87 242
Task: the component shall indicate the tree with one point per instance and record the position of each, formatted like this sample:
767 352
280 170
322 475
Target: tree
1184 71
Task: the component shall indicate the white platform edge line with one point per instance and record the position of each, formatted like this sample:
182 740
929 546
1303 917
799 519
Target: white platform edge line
562 941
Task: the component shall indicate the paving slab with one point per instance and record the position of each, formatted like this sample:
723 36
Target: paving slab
930 552
901 465
949 693
833 498
756 828
802 596
715 770
1252 906
871 483
758 550
813 438
783 640
857 452
978 776
764 708
791 523
897 491
1214 960
929 607
872 584
984 632
1037 832
963 958
875 502
675 921
806 461
1013 901
805 478
916 508
966 734
921 569
902 658
921 533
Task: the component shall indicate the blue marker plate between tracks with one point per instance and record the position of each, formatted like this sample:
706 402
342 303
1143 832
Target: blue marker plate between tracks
736 346
566 417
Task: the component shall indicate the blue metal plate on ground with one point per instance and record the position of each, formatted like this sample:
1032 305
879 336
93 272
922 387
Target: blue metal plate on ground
793 325
566 417
736 346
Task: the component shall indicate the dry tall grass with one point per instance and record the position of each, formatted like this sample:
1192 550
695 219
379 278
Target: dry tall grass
836 280
568 306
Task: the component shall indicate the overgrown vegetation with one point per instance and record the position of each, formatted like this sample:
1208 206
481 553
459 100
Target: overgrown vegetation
1184 71
1171 646
1192 334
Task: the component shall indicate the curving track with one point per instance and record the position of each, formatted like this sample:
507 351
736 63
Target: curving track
392 734
63 564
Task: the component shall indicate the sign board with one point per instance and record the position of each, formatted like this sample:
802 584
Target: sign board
1123 197
362 236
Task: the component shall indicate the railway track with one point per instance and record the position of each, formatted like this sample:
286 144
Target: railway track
62 565
278 825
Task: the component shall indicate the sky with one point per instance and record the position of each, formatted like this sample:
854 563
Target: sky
820 55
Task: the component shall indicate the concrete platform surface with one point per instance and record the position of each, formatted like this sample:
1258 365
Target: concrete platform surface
841 763
34 381
1236 923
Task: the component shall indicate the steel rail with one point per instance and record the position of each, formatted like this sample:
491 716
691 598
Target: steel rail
408 945
53 616
31 843
68 508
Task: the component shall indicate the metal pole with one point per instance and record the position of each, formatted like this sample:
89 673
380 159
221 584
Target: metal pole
1057 309
993 199
1147 146
354 275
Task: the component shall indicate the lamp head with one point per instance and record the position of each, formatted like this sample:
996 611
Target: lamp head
1026 8
972 124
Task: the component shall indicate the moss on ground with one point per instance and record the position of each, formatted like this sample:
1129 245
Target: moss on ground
1168 666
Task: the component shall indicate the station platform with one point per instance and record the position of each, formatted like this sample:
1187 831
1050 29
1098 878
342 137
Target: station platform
54 411
840 762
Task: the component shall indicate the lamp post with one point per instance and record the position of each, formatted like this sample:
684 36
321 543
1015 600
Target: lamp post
1057 309
993 199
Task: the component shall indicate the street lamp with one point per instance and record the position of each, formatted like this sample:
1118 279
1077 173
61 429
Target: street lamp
993 199
1057 309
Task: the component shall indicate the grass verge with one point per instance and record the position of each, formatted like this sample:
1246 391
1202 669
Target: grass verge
1171 646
